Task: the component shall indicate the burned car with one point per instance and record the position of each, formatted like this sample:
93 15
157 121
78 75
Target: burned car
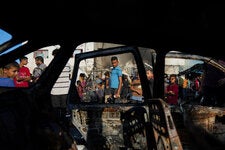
125 123
149 123
166 39
201 99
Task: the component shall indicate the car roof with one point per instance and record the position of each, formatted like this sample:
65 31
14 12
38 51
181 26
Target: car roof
185 26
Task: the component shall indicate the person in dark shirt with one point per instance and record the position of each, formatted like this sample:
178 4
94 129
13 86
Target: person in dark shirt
150 77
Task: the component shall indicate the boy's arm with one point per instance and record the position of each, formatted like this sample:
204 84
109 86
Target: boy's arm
120 86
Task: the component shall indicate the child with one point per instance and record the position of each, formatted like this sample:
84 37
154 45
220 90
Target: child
23 77
9 72
172 91
100 91
107 91
136 89
80 89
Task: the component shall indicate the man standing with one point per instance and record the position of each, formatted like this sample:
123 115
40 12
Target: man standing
39 60
115 79
60 91
150 77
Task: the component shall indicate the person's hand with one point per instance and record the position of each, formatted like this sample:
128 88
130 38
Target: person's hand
20 78
73 146
138 92
117 95
171 93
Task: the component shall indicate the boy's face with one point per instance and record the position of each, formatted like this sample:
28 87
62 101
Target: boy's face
24 61
115 63
11 73
172 79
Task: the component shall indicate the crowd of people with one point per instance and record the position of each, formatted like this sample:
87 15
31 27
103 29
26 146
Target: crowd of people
54 132
17 74
114 87
182 89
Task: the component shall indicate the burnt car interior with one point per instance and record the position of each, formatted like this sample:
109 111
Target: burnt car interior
166 37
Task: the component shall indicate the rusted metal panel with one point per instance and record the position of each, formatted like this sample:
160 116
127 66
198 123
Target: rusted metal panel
117 131
206 118
164 128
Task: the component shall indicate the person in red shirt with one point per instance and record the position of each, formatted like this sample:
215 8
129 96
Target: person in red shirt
23 77
80 89
172 91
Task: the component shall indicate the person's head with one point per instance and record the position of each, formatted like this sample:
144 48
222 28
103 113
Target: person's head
114 61
99 85
23 61
173 78
39 60
149 73
98 82
11 70
124 77
82 75
54 52
137 76
107 74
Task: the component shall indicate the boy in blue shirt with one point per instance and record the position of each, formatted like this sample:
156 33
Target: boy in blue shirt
115 79
9 72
